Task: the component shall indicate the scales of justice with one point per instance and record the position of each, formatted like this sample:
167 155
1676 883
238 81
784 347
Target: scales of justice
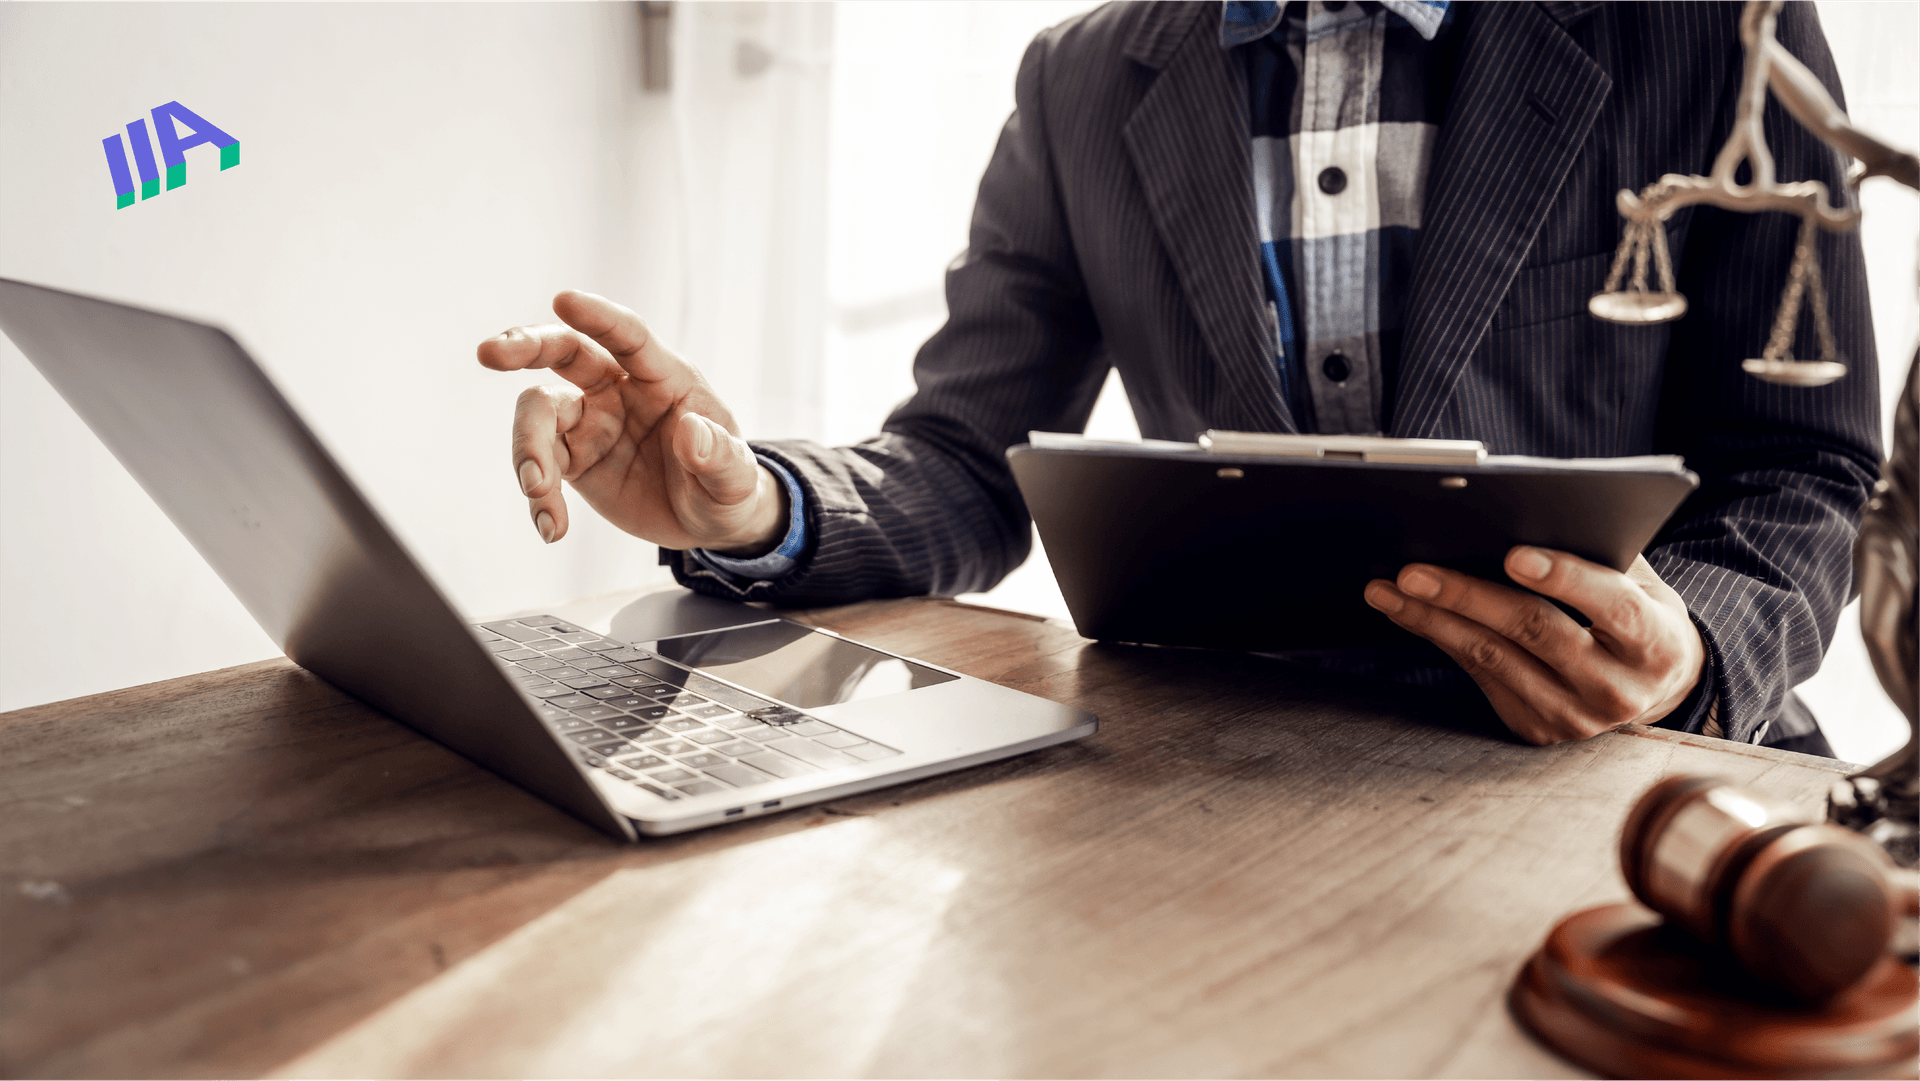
1775 946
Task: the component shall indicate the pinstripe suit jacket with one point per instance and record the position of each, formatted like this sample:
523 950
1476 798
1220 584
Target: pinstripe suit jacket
1115 227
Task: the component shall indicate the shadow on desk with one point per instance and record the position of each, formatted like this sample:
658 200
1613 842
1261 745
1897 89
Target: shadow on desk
1251 865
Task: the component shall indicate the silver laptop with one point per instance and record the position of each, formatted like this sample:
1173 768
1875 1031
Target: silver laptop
698 712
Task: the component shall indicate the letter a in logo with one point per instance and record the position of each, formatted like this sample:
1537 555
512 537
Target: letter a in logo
173 151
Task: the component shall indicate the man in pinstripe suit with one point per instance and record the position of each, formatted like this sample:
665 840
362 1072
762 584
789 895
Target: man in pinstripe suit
1132 217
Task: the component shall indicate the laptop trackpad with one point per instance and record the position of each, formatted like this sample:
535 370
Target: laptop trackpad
797 665
677 611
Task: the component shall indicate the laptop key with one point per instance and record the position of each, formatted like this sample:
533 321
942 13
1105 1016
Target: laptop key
724 694
568 698
641 684
645 761
606 671
514 631
614 749
735 722
501 645
682 724
581 683
703 760
778 765
597 713
601 645
548 713
838 740
622 656
620 722
671 746
700 788
567 722
620 773
548 691
738 775
571 653
663 793
670 776
629 701
603 692
548 645
657 713
812 728
589 735
777 715
577 636
764 734
709 736
527 679
540 663
812 753
710 711
737 748
511 653
870 752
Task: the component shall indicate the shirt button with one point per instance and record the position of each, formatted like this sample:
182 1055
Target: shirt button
1332 180
1336 367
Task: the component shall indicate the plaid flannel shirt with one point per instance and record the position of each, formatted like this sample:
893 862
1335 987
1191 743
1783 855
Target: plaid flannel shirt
1346 102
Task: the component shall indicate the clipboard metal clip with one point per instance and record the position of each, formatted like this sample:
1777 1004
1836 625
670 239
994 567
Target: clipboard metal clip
1352 448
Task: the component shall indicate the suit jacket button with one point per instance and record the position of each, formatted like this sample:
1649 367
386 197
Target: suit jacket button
1333 181
1336 367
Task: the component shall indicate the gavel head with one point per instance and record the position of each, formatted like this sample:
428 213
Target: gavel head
1805 908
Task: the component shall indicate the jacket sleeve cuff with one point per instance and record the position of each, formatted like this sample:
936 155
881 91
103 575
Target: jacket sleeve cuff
783 558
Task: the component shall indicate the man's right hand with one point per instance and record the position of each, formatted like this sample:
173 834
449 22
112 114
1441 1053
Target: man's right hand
639 434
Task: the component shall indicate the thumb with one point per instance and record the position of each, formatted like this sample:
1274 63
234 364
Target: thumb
720 462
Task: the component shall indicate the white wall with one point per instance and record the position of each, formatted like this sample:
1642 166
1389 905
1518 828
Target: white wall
412 179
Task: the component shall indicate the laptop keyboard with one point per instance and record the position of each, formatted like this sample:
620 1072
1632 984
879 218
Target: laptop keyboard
659 727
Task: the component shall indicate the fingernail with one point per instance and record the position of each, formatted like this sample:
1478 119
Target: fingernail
529 476
1384 598
1419 583
1529 563
544 523
702 437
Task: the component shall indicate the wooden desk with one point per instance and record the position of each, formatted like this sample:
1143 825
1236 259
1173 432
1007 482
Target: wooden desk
1252 869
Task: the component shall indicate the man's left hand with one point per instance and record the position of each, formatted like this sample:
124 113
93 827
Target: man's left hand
1549 678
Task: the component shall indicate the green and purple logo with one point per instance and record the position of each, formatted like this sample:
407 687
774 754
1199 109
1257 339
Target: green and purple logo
173 151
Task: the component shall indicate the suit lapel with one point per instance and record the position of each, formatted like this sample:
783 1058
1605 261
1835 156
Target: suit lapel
1190 144
1523 104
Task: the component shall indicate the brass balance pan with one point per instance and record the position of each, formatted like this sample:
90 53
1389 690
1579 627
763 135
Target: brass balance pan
1637 307
1795 373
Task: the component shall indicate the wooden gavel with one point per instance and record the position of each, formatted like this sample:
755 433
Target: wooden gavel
1804 908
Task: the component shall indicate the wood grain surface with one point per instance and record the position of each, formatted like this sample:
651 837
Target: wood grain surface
1253 869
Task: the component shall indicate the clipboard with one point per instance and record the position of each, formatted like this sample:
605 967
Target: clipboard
1258 542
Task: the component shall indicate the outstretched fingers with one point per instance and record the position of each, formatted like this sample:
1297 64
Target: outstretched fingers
572 355
541 456
625 338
